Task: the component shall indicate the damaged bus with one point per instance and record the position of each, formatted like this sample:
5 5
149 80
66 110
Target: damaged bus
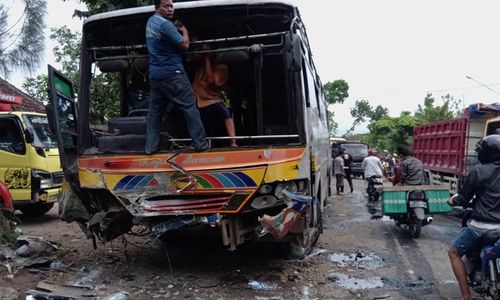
273 186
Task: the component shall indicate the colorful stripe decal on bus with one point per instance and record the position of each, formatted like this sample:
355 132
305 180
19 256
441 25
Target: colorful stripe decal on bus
205 180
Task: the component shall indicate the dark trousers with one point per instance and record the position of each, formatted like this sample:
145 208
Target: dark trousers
348 176
176 89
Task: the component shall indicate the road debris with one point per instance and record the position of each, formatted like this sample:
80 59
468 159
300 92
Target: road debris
358 259
48 290
353 283
7 293
262 286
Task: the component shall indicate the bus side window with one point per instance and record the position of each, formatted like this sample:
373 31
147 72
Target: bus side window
311 88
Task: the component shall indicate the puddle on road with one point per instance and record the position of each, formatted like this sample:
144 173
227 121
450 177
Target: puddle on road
354 283
359 259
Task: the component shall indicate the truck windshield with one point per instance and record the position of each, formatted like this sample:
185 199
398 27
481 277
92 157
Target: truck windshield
355 149
43 136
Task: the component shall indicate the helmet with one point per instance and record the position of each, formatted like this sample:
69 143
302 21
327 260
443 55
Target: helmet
488 149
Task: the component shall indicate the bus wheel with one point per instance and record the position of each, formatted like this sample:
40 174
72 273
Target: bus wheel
303 243
37 209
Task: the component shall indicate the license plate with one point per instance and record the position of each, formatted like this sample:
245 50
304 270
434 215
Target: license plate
420 204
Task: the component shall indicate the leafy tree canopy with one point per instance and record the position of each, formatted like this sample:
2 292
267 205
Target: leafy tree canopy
430 112
22 41
105 86
386 132
363 112
337 91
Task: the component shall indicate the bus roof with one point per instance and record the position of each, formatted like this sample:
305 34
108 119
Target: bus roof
183 5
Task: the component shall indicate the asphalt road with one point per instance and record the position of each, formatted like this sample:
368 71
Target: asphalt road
355 258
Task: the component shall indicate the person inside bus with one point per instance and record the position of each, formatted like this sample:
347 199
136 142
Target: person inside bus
208 83
339 172
412 169
167 78
483 183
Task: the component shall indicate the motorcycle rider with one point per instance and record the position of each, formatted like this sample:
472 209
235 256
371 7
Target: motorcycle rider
411 168
483 182
372 166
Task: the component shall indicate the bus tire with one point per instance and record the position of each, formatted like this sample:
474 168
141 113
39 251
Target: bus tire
37 209
302 244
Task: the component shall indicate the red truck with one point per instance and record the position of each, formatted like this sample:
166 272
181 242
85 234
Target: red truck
447 148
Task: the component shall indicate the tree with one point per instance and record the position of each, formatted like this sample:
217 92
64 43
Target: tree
37 88
389 132
431 113
98 6
337 91
363 112
22 43
104 90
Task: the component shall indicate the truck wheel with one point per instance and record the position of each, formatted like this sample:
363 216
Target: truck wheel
37 209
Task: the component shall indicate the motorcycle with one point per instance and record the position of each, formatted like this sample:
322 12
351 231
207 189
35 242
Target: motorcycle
416 215
375 188
483 267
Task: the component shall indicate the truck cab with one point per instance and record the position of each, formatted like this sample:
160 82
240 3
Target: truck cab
492 126
29 161
357 150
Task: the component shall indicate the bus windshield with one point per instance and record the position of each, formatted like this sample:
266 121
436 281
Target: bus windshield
258 92
43 136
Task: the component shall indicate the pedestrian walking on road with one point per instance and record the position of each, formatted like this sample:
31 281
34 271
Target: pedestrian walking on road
338 170
348 169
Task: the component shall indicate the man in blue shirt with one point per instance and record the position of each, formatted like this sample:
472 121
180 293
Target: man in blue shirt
167 77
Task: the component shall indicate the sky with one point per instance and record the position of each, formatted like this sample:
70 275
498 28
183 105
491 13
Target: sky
390 52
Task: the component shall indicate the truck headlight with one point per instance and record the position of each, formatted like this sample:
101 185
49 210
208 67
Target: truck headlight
44 178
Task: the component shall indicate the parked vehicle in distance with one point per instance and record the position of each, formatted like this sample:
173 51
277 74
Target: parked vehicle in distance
29 161
358 151
446 148
272 187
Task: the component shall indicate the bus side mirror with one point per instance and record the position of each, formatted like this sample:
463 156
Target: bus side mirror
29 136
293 53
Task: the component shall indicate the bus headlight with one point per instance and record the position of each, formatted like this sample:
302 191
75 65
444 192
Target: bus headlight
289 186
263 201
265 189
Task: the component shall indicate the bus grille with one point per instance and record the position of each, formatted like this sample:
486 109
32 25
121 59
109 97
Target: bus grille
171 205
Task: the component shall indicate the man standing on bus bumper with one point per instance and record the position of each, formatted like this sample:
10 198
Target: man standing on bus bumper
167 78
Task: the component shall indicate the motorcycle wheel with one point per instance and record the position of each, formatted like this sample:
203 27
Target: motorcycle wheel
415 226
